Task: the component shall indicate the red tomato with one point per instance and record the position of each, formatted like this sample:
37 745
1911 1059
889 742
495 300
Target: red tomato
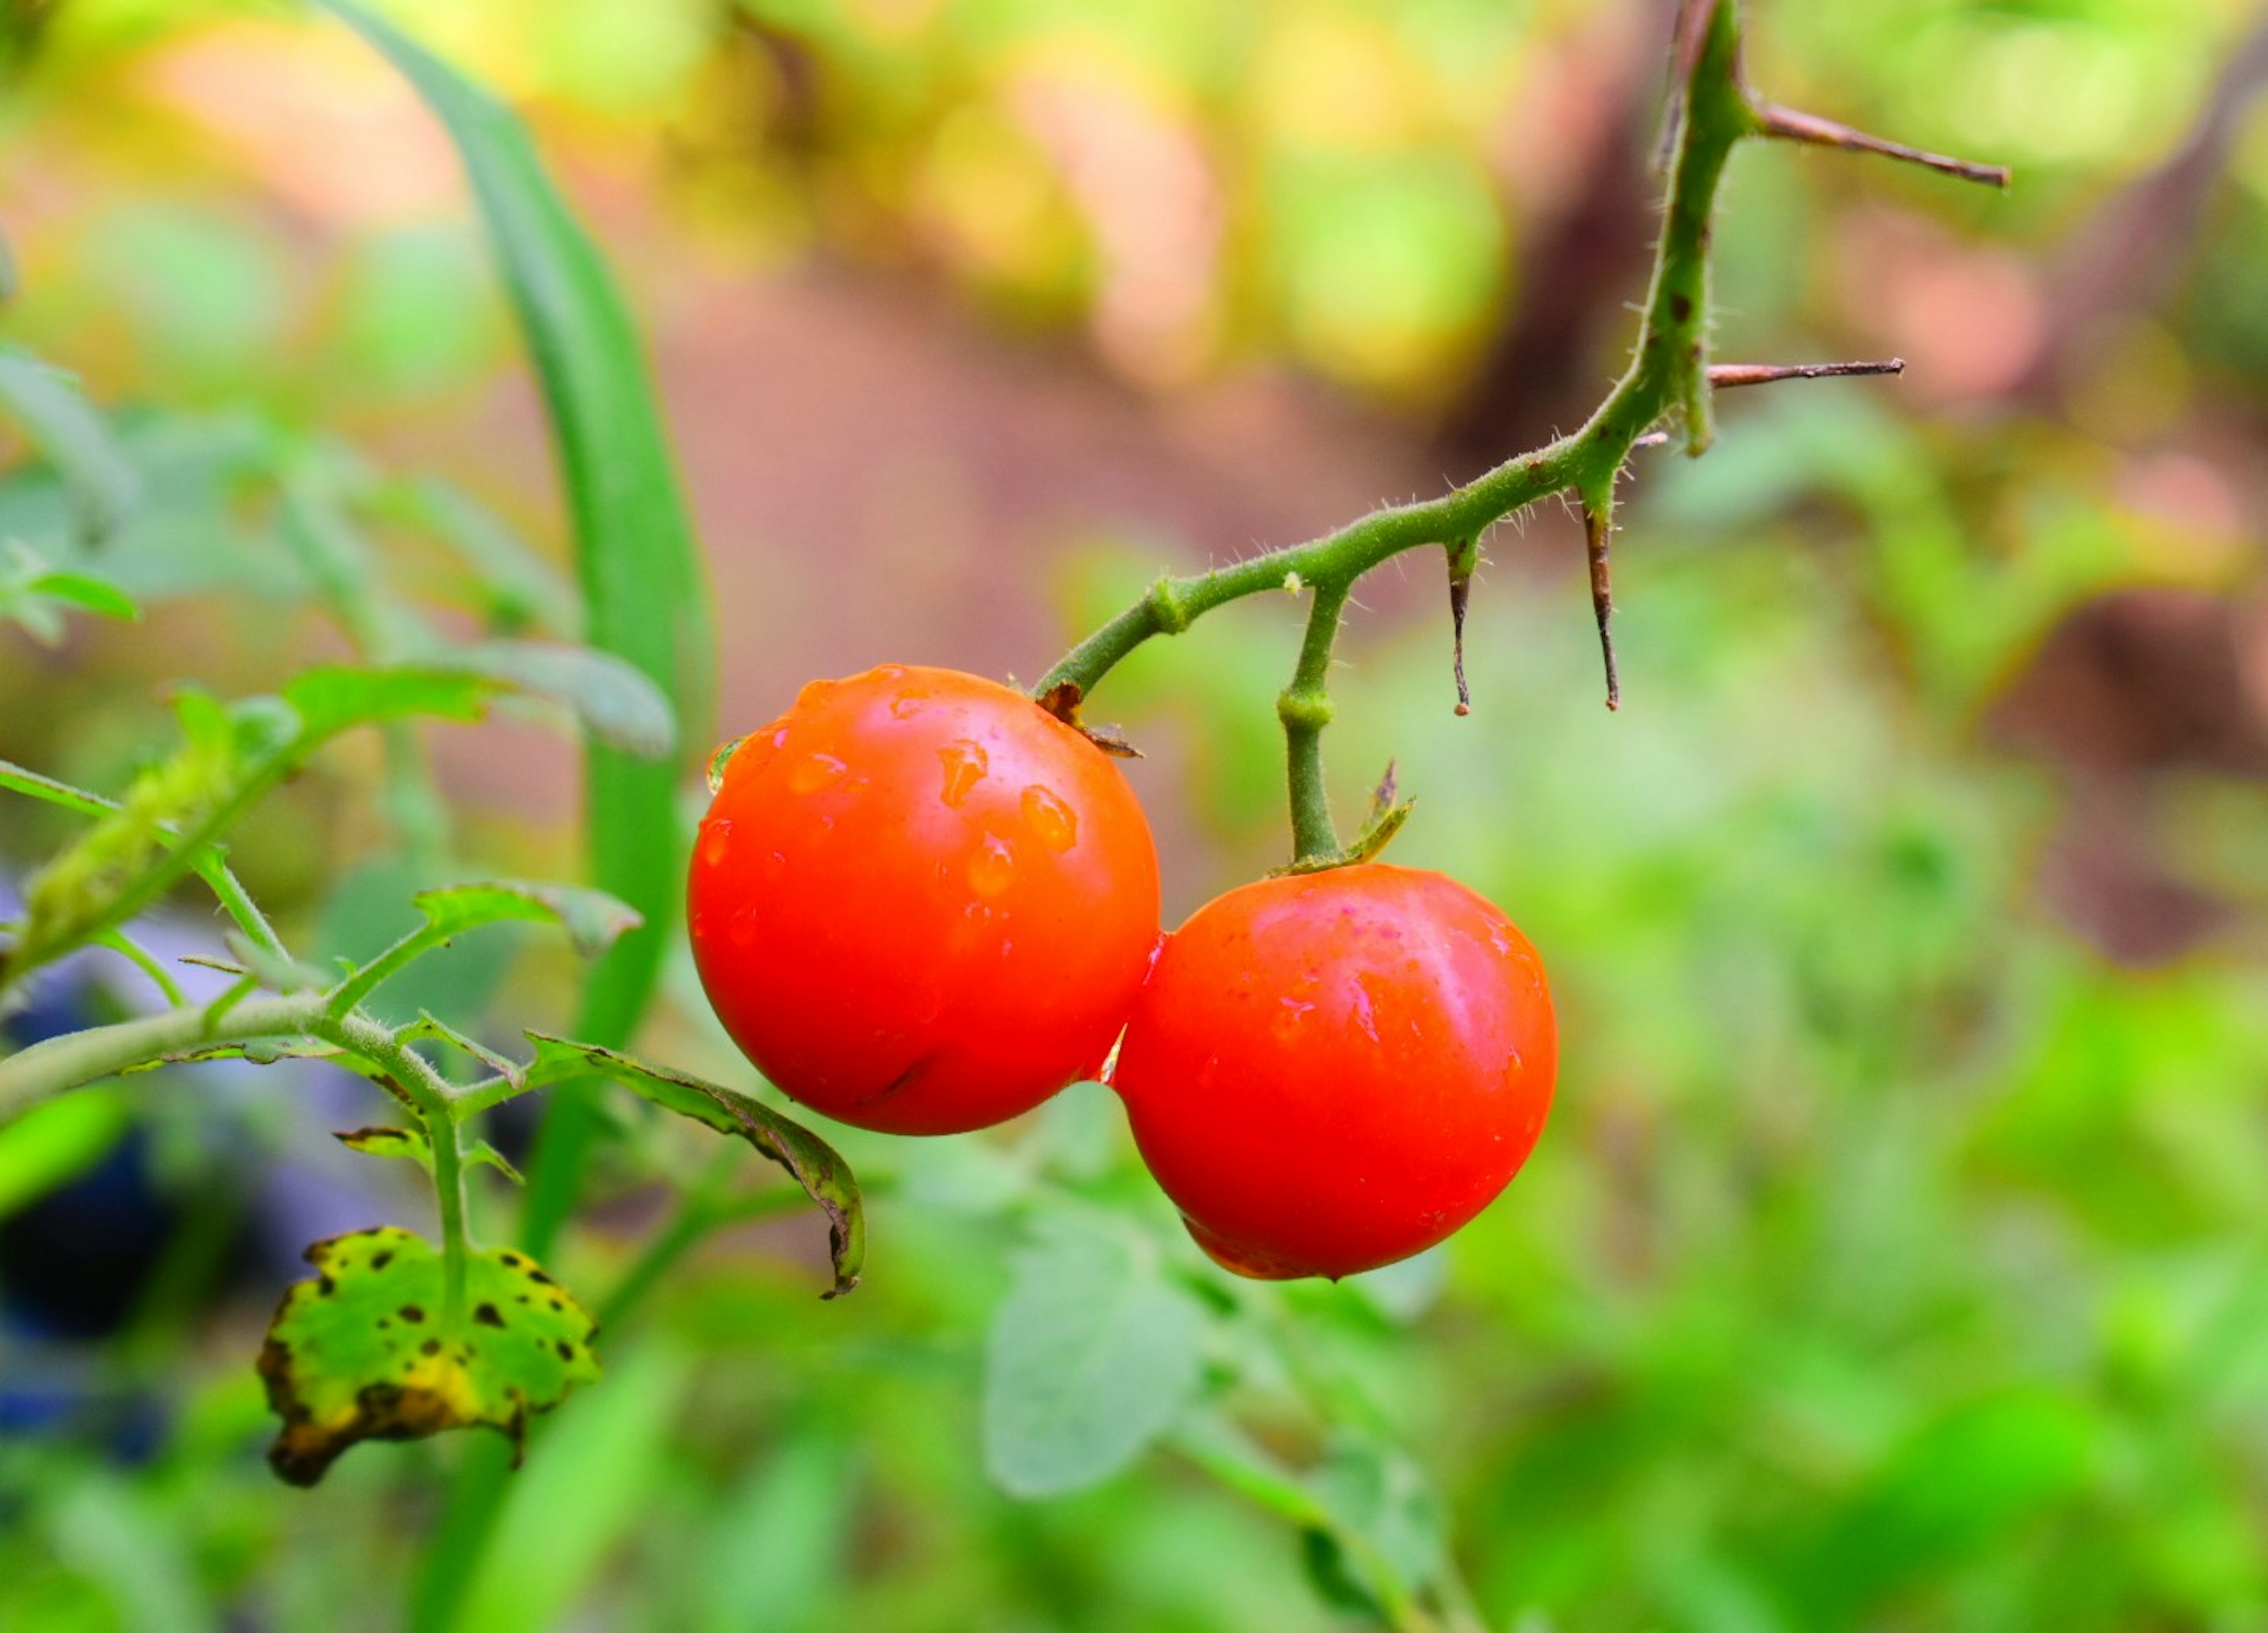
920 902
1331 1071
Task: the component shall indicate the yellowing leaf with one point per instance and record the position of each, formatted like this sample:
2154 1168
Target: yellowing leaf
363 1351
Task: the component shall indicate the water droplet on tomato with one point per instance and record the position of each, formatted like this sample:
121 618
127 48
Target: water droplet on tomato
744 928
717 842
907 704
1054 823
965 766
993 868
813 693
815 772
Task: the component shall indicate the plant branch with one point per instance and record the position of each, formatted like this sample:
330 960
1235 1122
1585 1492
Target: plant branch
1668 379
1304 709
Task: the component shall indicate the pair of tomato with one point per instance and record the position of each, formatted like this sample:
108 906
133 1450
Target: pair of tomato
922 904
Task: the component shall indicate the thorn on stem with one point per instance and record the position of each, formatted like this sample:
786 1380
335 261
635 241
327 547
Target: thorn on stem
1726 375
1789 125
1597 524
1461 558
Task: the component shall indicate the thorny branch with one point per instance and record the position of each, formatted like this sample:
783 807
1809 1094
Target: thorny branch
1669 379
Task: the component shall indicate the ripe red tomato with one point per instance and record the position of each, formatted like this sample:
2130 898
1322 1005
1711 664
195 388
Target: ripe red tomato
921 903
1331 1071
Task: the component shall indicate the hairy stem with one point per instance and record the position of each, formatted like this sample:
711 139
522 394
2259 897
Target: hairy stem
1305 708
442 1128
57 1064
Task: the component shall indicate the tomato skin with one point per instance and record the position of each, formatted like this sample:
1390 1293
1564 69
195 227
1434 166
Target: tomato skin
920 903
1331 1071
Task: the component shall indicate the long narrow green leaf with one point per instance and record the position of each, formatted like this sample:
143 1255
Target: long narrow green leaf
644 594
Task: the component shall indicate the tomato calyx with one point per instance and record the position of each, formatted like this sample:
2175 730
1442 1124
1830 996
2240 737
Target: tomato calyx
1384 820
1062 700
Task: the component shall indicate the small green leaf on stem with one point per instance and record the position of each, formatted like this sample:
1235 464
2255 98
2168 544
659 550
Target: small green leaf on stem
614 701
361 1352
410 1144
815 1165
593 919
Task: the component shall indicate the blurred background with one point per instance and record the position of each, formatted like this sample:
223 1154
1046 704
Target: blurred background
1896 1255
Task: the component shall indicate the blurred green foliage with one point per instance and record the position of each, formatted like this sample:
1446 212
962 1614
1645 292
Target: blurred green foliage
1894 1258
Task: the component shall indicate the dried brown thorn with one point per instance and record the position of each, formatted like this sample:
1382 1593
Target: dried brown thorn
1597 525
1724 375
1789 125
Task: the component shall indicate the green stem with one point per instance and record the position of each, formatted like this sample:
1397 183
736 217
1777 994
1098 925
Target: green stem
443 1129
1305 708
238 902
119 942
33 1075
351 992
1668 372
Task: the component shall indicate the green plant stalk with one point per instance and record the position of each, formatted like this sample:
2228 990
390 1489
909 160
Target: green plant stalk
1305 708
35 1075
397 957
443 1131
141 958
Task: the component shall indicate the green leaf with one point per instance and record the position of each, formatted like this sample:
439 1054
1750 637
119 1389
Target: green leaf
817 1166
482 1152
360 1353
645 598
328 701
379 1141
30 593
1091 1356
616 702
47 406
88 594
593 919
413 1145
1374 1492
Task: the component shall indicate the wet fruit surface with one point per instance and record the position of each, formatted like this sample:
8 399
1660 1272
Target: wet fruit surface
1332 1071
919 902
